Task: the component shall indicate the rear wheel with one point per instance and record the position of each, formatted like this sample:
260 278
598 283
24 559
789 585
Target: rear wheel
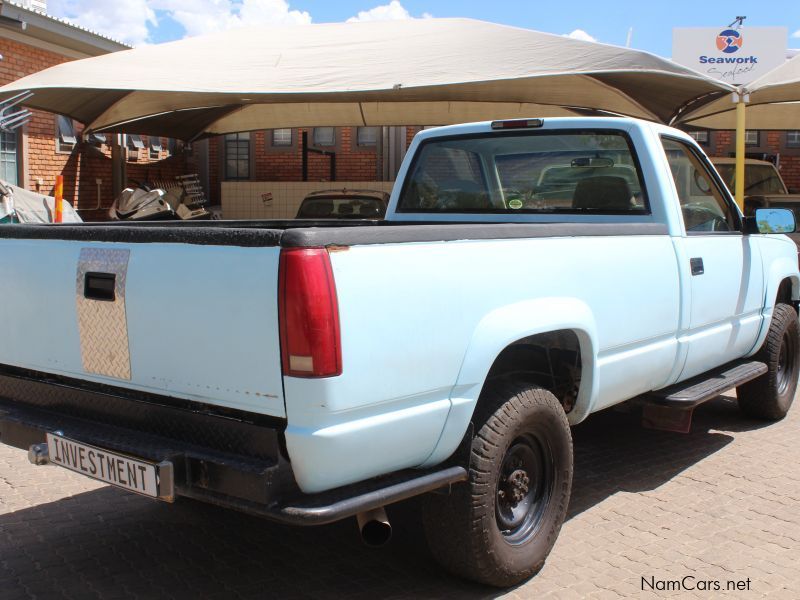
499 527
770 396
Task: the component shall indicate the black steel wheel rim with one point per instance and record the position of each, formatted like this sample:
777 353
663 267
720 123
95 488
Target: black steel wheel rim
524 488
787 362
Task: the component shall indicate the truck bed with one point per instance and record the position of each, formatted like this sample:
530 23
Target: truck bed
195 315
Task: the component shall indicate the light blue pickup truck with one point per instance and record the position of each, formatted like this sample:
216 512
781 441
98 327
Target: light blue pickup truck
528 273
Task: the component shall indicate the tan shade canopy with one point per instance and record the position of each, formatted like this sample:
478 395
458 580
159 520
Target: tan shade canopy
426 71
774 103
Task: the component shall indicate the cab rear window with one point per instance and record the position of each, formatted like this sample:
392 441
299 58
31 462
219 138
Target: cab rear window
541 172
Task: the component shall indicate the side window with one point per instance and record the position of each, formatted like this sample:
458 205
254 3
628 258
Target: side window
704 208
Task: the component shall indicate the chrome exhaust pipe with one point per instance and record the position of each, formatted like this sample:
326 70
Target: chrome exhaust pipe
38 454
374 527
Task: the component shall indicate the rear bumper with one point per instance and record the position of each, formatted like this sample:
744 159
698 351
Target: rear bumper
233 460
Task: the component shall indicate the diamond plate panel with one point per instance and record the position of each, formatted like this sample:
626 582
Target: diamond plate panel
102 325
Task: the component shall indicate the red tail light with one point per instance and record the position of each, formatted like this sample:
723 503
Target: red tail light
308 314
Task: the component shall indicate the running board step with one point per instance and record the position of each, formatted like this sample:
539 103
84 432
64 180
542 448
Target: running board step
671 408
708 385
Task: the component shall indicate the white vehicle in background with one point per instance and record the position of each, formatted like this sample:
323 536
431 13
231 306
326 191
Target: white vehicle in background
447 348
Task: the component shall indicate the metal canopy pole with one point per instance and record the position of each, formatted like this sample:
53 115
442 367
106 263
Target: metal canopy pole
304 151
741 99
119 172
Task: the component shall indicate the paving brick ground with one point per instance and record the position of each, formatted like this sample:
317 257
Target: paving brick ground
719 504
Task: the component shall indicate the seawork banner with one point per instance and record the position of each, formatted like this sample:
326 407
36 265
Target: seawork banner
736 56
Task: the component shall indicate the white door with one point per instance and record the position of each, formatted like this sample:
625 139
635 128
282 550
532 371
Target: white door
724 268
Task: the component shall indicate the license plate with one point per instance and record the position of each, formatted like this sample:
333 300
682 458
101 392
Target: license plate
118 470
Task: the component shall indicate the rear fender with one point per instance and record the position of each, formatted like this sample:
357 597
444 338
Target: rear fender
498 330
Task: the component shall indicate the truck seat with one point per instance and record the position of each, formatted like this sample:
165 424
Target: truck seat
602 192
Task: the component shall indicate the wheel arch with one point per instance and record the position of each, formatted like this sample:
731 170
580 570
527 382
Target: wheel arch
782 285
507 327
788 292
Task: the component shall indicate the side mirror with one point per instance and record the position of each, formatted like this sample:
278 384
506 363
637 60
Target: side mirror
771 220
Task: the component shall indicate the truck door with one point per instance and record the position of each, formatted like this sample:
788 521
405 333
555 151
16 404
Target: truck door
724 270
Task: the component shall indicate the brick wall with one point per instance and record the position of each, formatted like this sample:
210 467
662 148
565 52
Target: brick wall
790 171
725 139
20 60
86 163
410 133
354 163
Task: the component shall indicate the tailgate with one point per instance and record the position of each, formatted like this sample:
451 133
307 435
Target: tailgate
194 321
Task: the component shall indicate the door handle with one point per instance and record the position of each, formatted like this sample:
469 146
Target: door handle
100 286
697 266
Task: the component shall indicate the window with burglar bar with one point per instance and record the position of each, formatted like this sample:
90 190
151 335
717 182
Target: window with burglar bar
793 139
367 136
282 137
324 136
701 137
237 156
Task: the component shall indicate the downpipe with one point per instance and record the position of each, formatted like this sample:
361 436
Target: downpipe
374 527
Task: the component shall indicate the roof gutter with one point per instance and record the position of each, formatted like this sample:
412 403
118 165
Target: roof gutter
54 31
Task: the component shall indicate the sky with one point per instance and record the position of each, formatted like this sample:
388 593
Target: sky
140 22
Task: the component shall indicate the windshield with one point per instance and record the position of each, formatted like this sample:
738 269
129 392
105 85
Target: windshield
758 179
528 172
341 208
